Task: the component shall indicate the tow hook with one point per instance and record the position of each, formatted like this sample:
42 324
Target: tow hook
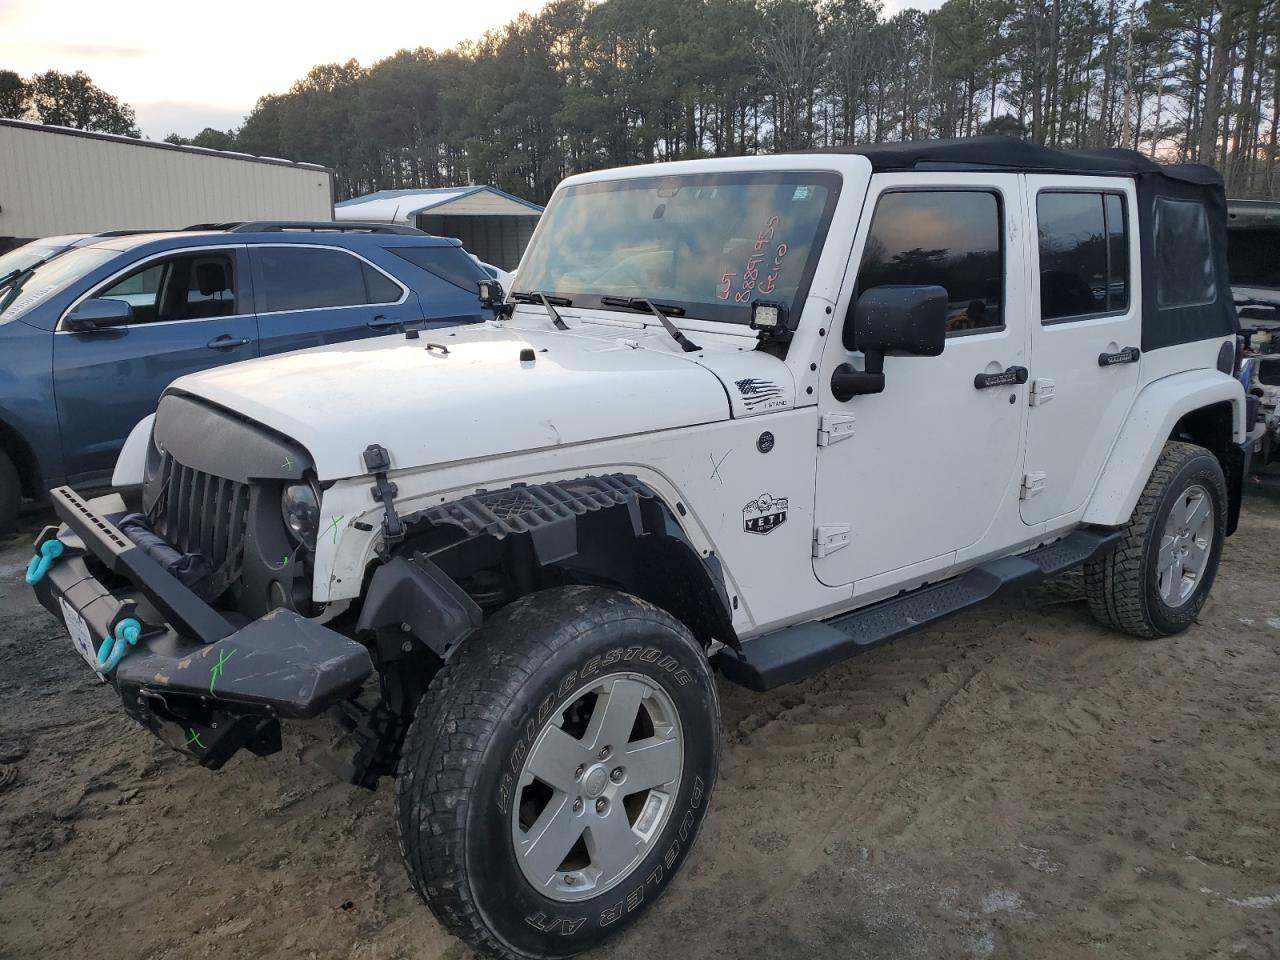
47 554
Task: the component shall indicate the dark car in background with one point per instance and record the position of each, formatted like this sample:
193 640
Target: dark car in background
93 329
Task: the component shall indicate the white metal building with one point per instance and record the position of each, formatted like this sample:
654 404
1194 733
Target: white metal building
54 180
492 224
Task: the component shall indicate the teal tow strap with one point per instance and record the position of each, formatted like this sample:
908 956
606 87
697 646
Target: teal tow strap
50 551
114 648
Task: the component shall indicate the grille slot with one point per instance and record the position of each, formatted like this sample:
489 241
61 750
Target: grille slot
199 513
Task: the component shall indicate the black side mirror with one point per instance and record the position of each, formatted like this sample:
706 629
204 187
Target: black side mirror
491 293
904 320
99 314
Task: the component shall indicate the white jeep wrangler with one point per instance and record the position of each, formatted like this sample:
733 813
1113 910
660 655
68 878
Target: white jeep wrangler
756 414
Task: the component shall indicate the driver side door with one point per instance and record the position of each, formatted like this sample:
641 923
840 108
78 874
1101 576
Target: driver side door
191 311
929 467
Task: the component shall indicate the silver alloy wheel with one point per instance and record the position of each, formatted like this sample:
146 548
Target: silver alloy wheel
1185 546
597 786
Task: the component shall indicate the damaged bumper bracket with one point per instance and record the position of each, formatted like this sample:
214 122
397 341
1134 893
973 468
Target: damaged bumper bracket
204 686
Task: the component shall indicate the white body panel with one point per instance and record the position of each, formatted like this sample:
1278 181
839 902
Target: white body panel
1070 435
1158 408
131 463
966 443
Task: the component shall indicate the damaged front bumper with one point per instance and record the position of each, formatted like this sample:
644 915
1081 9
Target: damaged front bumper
205 685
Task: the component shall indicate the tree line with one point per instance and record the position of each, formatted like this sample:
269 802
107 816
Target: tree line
65 100
582 85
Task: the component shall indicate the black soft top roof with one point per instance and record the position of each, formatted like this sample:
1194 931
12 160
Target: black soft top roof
1012 154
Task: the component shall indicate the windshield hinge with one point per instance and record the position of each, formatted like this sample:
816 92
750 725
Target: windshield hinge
377 461
828 538
834 427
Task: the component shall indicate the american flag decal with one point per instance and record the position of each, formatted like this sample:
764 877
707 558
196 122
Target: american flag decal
756 392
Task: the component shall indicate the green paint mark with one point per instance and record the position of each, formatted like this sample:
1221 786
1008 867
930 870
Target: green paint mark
216 672
334 527
288 462
194 738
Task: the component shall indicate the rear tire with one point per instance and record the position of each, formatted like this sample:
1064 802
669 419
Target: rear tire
10 494
602 695
1155 581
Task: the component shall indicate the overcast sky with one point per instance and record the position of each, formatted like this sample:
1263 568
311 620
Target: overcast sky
186 66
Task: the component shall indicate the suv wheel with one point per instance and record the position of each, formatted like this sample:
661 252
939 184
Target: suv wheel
1155 582
557 772
10 493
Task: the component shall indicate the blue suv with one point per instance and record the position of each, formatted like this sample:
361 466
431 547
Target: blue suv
91 335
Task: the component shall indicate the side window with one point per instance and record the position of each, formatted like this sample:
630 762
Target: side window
381 289
190 287
447 263
304 278
951 238
1184 263
1084 255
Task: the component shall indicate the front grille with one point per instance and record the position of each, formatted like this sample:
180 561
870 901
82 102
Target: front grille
197 512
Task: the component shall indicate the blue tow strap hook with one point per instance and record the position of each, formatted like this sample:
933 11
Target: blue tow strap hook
45 558
113 649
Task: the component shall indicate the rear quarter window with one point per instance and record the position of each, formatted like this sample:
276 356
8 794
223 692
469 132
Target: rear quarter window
448 263
1183 256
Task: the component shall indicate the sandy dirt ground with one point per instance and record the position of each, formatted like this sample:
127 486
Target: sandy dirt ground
1015 783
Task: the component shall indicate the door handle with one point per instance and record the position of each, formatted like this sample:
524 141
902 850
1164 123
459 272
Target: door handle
380 322
1008 378
226 342
1127 355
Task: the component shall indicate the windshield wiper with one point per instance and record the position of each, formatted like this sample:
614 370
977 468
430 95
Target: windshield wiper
14 282
659 310
548 303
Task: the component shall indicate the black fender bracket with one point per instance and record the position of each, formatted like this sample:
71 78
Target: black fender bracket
414 591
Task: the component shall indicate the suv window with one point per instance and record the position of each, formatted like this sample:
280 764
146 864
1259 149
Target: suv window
194 286
1084 254
447 263
309 278
1184 264
951 238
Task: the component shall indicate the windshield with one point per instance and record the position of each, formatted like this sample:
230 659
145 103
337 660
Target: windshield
29 253
709 243
53 276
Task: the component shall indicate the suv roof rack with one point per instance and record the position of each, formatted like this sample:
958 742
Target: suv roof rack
314 226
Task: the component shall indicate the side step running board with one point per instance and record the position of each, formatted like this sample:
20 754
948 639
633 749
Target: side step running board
795 652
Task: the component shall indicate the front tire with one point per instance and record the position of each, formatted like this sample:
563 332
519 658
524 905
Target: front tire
1155 582
557 772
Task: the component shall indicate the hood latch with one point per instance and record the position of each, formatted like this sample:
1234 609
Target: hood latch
378 461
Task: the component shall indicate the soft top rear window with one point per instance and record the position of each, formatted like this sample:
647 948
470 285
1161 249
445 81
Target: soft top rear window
1184 260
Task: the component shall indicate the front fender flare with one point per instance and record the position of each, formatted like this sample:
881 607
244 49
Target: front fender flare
1152 418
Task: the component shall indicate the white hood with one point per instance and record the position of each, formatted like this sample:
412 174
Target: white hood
479 399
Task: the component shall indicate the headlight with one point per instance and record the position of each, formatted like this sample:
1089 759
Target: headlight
301 511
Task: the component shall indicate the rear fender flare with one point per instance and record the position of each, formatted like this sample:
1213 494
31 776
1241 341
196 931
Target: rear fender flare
1155 413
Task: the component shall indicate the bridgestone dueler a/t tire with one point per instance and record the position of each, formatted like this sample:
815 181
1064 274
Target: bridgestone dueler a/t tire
1122 585
475 724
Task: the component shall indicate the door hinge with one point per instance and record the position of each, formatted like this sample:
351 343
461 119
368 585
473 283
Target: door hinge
1033 483
1042 391
830 537
834 427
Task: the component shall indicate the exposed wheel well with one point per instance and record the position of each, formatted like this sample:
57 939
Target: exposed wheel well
1213 427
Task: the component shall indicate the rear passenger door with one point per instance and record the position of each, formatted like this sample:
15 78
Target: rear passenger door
308 294
1086 332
